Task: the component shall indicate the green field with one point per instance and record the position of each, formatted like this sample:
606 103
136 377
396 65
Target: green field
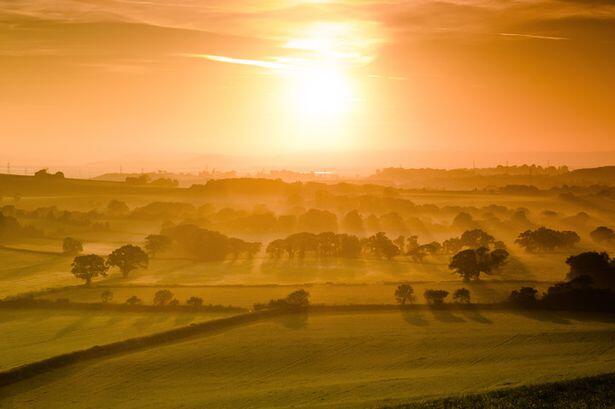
30 335
335 360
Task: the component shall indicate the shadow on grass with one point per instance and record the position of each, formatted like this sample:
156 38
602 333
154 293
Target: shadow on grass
445 315
414 317
473 314
293 321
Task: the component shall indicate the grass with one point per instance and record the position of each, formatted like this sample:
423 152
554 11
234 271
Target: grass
26 270
33 334
596 392
335 360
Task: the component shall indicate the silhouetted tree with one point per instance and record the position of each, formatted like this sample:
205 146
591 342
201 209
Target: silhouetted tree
157 243
404 294
106 296
476 238
435 297
88 267
598 266
163 297
71 246
524 297
471 262
462 296
544 239
194 301
299 298
381 246
128 258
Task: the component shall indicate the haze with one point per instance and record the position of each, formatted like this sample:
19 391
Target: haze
84 81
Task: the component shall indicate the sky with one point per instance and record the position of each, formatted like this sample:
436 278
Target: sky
84 81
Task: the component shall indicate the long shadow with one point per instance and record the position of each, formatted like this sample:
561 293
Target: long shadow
543 316
414 317
445 315
293 321
474 314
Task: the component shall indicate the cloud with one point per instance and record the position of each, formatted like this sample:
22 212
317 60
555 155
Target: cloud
539 37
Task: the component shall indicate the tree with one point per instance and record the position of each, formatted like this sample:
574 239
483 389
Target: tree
317 221
544 239
352 222
71 246
476 238
89 267
133 300
117 208
106 296
162 297
380 245
524 297
471 262
128 258
404 294
299 298
599 266
195 302
157 243
435 297
603 234
462 296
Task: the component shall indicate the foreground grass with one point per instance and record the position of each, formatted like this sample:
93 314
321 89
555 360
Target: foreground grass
341 360
597 392
34 334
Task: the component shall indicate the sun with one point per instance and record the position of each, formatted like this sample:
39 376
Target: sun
321 92
319 77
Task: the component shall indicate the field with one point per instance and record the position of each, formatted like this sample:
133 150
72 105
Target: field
30 335
336 360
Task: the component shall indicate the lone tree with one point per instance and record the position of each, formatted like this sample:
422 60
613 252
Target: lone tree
128 258
471 262
117 208
88 267
462 296
299 298
157 243
72 247
404 294
133 300
106 296
194 301
163 297
435 297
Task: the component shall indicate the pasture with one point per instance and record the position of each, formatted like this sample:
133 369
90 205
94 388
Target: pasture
30 335
343 360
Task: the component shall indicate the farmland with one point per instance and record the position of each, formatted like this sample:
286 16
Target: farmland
340 360
33 334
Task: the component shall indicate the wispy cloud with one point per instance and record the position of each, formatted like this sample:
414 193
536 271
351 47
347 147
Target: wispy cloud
535 36
240 61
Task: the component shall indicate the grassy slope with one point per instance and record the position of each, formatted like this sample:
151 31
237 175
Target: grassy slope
596 392
341 360
23 270
32 335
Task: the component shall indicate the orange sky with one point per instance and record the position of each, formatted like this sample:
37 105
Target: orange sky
88 80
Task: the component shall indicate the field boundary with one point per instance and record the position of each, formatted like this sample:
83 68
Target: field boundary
132 344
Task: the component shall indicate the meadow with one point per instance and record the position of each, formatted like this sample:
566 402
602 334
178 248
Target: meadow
342 360
29 335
